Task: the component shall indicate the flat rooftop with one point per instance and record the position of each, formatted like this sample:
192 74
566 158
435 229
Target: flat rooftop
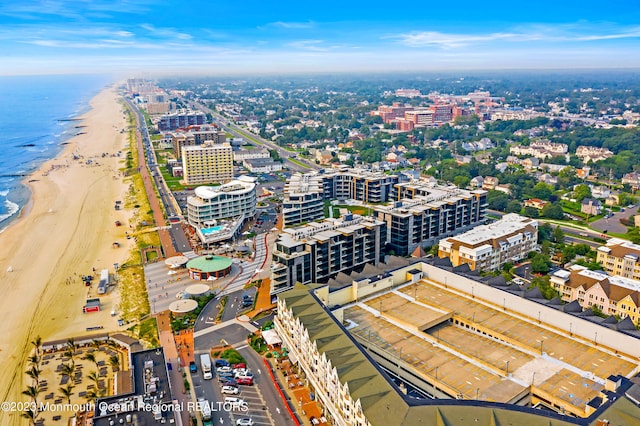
490 353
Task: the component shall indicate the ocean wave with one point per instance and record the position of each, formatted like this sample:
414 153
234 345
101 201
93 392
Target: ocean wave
4 193
12 208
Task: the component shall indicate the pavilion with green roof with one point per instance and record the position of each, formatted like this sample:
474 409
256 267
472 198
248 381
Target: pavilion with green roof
209 267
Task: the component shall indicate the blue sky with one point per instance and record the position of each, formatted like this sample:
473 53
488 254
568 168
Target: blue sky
163 36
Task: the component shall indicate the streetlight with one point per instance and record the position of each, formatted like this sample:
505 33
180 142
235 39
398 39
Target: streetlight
533 379
507 362
595 340
570 331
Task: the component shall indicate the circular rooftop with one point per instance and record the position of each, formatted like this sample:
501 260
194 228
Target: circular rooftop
183 306
209 264
176 261
197 289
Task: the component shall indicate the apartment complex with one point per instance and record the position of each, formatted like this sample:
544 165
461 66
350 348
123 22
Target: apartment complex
489 247
304 194
181 119
261 165
250 154
303 199
426 212
611 295
195 135
540 149
320 250
207 163
235 199
620 257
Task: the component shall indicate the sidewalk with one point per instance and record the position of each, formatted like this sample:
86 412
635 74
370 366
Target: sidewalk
298 396
172 358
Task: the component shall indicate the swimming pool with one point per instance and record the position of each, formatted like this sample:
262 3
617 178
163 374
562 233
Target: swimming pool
212 230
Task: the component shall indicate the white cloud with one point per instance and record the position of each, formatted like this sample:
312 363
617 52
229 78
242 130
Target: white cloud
291 25
540 33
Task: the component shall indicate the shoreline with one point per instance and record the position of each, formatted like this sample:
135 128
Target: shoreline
65 229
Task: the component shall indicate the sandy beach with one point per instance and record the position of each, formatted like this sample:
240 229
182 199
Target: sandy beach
68 229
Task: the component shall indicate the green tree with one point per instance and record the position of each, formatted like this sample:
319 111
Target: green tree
497 200
558 235
581 192
531 212
544 284
540 264
542 191
553 211
513 206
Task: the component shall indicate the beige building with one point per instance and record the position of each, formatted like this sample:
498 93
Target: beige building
620 257
612 295
489 247
207 163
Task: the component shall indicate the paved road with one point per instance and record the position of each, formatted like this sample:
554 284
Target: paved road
225 124
265 406
165 238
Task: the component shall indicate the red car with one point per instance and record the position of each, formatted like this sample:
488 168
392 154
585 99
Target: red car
240 365
248 381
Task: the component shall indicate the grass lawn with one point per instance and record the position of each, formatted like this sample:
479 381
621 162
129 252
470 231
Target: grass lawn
299 163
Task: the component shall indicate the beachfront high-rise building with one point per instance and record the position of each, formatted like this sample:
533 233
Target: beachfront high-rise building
181 119
207 163
320 250
424 212
235 199
489 247
195 135
303 199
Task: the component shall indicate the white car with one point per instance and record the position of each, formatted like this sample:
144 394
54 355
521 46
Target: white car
236 402
224 369
231 390
244 422
240 371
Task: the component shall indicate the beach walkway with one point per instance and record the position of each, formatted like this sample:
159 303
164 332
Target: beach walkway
158 216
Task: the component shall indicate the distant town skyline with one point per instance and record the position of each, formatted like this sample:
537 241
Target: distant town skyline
159 36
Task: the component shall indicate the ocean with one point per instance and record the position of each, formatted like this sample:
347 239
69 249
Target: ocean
35 120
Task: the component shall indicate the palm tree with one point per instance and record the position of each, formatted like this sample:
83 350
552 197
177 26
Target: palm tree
37 344
34 359
31 415
32 392
91 395
67 391
91 357
34 373
67 369
71 349
114 360
95 378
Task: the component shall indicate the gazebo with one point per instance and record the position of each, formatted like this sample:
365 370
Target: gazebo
203 267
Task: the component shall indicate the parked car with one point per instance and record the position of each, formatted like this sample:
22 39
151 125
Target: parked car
231 390
193 367
225 381
240 365
221 363
244 422
246 381
237 402
224 369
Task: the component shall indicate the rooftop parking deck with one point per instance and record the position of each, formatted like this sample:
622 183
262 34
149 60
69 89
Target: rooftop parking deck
474 349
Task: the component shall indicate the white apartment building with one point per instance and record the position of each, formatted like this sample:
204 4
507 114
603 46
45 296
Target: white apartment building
235 199
207 163
489 247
